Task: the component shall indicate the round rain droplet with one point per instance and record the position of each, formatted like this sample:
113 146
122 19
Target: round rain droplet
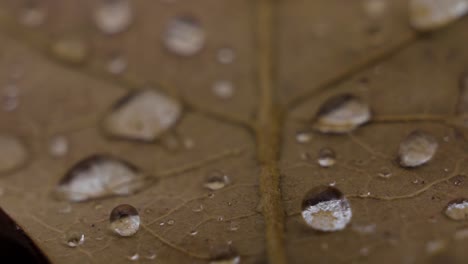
342 114
58 146
223 89
70 49
184 36
326 157
216 181
428 15
143 115
326 209
417 149
74 238
457 210
100 176
13 153
124 220
113 16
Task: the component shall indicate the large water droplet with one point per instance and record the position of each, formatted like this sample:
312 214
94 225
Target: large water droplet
432 14
74 238
124 220
113 16
223 89
100 176
326 209
184 36
70 49
326 157
457 210
13 153
341 114
417 149
143 115
216 180
58 146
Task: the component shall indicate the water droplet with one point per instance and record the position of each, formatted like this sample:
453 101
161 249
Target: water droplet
32 15
124 220
216 180
74 238
113 16
193 232
226 55
65 209
116 65
188 143
58 146
134 257
385 173
211 195
171 222
428 15
364 229
375 8
70 49
326 158
100 176
226 260
233 226
303 137
223 89
143 115
457 210
184 36
151 256
198 208
220 218
341 114
13 153
326 209
417 149
435 246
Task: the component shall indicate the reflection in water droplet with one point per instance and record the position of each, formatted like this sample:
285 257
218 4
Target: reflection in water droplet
326 209
32 15
116 65
193 232
341 114
113 16
124 220
326 157
216 180
74 238
58 146
13 153
417 149
303 137
457 210
223 89
134 257
184 36
432 14
70 49
171 222
142 115
226 260
100 176
226 55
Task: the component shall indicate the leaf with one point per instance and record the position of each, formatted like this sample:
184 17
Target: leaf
291 58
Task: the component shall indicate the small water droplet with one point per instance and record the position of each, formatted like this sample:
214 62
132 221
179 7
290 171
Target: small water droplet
342 114
326 157
303 137
134 257
150 256
326 209
124 220
216 180
13 153
58 146
226 55
116 65
229 259
417 149
100 176
74 238
188 143
171 222
142 115
193 232
428 15
457 210
211 195
364 229
184 36
32 15
305 156
113 16
223 89
220 218
70 49
385 173
198 208
233 226
65 209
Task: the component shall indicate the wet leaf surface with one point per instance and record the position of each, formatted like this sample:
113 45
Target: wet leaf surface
228 174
